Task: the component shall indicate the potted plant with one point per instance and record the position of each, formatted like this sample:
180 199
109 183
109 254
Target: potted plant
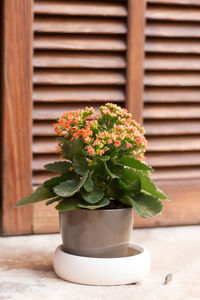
103 177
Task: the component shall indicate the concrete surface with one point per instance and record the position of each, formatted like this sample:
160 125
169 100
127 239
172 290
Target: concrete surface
26 271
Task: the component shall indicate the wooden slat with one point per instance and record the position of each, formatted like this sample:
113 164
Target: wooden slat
40 160
180 2
176 173
79 42
168 159
43 129
172 45
16 115
54 111
74 77
82 8
171 94
173 143
79 25
44 145
135 58
177 211
185 13
172 62
78 94
166 29
167 111
172 127
79 60
172 78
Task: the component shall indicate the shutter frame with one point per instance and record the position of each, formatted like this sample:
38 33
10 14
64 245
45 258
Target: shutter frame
17 115
135 58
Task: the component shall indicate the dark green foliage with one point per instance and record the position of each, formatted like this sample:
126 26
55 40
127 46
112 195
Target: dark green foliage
70 187
56 199
146 206
89 185
104 202
56 180
67 204
80 165
148 186
76 148
41 193
94 196
58 166
132 162
105 183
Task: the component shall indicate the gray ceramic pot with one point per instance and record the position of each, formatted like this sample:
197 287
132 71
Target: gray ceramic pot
97 233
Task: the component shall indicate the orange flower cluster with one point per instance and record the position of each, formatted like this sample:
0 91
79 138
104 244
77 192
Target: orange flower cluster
112 130
74 124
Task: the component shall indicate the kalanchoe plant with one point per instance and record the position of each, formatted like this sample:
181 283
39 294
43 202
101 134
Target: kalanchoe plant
102 164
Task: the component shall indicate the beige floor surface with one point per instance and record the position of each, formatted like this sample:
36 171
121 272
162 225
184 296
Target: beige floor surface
26 271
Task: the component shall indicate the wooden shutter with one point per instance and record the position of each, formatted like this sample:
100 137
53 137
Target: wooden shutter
79 60
172 105
86 53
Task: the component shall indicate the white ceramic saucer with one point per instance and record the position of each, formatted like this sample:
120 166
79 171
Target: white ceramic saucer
103 271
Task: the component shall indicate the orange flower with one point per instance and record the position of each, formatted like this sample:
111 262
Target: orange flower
91 151
137 139
57 130
128 145
101 152
117 143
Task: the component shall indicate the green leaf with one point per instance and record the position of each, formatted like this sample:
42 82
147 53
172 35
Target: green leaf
68 204
99 173
113 190
102 203
129 181
148 186
146 206
117 169
112 175
129 175
126 200
120 184
70 187
58 166
133 187
89 185
53 200
41 193
76 147
132 162
94 196
56 180
80 164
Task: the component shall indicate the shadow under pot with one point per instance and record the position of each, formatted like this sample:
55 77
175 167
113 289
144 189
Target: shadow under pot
97 233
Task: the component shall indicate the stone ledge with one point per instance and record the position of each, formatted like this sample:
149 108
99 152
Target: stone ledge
26 270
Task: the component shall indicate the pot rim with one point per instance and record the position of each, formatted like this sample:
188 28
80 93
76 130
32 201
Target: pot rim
99 209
